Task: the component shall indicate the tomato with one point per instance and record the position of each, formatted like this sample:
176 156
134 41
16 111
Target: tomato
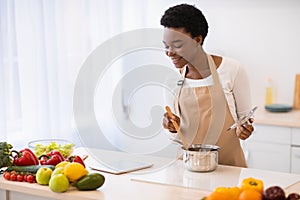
24 176
30 178
19 178
6 175
13 177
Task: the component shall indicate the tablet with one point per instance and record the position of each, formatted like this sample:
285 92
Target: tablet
121 166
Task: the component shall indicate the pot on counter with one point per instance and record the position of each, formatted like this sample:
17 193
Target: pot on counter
201 158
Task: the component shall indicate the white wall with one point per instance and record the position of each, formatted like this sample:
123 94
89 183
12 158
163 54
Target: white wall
263 34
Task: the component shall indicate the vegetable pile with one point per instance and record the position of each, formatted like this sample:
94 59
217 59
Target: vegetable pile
251 189
52 165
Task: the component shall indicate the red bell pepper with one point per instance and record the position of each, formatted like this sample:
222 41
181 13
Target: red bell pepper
52 158
25 157
75 158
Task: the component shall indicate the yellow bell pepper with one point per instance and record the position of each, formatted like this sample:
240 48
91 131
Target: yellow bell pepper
252 183
233 192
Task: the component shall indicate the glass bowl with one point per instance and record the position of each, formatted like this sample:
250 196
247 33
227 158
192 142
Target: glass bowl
44 146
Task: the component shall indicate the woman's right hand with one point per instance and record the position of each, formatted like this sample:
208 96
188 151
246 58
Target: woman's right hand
168 122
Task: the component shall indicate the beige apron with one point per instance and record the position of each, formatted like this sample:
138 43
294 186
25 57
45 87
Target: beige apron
205 117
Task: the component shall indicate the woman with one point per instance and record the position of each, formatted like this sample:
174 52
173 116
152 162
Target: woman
213 91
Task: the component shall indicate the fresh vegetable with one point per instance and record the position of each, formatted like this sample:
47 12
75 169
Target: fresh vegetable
293 196
64 149
25 157
15 176
217 196
6 175
20 178
30 168
250 194
252 183
274 193
5 154
75 158
233 192
30 179
52 158
90 181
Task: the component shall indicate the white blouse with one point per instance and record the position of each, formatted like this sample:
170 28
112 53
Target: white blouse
235 84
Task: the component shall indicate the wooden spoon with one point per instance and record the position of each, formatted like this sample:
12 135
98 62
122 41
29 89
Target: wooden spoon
185 145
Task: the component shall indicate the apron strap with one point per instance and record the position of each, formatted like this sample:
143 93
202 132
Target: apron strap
180 85
218 102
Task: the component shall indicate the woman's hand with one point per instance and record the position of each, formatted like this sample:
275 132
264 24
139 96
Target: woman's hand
168 122
245 130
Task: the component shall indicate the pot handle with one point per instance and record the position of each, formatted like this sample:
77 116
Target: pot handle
186 158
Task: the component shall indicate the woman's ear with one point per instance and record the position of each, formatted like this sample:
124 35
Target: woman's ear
199 39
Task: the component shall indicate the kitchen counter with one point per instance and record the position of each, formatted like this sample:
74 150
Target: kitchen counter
115 187
165 180
287 119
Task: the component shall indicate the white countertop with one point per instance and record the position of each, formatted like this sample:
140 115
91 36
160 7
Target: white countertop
287 119
171 172
165 180
225 176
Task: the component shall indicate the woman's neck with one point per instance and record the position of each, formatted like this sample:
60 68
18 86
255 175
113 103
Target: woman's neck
198 68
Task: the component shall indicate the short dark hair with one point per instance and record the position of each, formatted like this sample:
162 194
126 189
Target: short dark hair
188 17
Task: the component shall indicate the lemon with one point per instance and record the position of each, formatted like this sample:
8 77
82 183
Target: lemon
62 164
74 171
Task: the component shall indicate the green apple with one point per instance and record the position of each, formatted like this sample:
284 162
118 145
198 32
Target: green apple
59 170
59 183
43 175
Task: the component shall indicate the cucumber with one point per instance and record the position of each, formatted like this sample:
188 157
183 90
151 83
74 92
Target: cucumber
91 181
30 168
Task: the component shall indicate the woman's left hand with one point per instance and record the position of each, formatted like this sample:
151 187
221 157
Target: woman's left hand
245 130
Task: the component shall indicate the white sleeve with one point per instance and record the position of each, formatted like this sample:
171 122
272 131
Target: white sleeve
241 92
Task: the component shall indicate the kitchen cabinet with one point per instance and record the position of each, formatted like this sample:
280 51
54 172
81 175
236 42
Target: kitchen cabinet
296 136
269 148
295 151
295 160
2 194
275 143
269 156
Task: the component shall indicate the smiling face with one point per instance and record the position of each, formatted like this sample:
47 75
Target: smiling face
180 46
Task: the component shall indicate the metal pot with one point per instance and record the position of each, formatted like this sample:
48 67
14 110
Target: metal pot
201 158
